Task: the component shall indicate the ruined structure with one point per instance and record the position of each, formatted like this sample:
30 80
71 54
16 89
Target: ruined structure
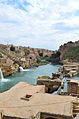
30 101
50 84
70 69
73 87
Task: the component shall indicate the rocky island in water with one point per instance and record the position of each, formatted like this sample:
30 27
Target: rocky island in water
51 97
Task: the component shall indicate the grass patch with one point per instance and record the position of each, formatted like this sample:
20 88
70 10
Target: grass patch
43 77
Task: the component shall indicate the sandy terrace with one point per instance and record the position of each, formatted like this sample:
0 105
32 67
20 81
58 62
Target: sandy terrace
12 104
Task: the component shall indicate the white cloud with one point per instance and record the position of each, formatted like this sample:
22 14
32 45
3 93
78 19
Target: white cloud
36 23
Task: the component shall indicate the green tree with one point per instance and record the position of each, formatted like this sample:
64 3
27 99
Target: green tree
12 48
38 60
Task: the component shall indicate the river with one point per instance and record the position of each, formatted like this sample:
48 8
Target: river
29 76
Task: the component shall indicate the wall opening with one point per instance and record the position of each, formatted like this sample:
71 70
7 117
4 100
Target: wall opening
50 118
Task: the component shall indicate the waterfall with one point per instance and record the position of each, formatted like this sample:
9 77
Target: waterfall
1 74
65 84
58 91
2 79
21 69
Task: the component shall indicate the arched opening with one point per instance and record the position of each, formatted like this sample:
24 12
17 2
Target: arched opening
49 90
30 57
50 118
41 54
46 56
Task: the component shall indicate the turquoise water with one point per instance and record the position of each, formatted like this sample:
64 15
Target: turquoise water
29 76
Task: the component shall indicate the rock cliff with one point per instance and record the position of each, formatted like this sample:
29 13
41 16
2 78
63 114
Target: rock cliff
68 52
11 57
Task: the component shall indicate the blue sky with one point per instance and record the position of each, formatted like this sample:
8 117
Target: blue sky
39 23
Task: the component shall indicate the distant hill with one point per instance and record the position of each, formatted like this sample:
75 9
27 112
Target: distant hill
70 51
66 52
12 52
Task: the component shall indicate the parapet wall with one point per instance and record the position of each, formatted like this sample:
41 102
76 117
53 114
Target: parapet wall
11 117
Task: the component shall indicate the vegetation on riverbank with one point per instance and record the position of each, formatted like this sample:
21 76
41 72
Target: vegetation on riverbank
43 77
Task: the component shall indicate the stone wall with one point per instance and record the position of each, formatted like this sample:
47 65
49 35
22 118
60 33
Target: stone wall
72 88
70 69
12 117
50 85
78 89
41 115
54 116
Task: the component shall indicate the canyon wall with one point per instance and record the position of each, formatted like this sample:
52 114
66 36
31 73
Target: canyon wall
11 57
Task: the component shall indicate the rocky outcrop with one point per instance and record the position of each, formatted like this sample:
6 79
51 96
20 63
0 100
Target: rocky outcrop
7 66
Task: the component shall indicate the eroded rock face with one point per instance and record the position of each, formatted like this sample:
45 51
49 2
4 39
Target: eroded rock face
7 66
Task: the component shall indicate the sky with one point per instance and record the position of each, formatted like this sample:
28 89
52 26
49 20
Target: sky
39 23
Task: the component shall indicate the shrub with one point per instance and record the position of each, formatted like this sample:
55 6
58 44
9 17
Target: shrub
38 60
12 48
44 77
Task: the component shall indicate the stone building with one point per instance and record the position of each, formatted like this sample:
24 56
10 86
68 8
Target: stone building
73 87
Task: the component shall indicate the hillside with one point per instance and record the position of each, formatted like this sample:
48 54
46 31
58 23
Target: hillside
70 51
66 52
11 57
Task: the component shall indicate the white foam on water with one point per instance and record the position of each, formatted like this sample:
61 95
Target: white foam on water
4 80
21 69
